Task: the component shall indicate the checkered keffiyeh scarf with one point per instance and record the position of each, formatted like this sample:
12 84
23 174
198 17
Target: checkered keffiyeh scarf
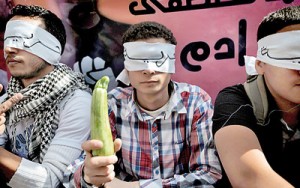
42 104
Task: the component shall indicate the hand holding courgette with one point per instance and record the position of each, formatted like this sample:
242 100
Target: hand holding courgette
100 126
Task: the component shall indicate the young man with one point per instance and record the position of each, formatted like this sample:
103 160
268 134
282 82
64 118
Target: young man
266 153
45 129
165 126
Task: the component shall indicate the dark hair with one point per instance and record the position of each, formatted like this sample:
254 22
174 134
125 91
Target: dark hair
53 24
147 30
277 20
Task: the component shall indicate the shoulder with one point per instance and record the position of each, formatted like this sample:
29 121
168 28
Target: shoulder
233 107
79 93
235 93
190 92
78 98
232 97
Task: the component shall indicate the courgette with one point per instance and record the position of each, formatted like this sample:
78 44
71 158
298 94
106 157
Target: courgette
100 126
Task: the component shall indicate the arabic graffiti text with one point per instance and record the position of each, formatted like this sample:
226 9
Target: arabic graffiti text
193 49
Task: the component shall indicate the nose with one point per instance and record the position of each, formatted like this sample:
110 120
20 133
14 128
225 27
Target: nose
10 50
148 71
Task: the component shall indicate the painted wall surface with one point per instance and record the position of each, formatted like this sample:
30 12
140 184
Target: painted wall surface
213 35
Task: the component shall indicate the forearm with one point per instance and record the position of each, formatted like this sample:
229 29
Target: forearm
9 163
273 180
244 160
255 174
49 173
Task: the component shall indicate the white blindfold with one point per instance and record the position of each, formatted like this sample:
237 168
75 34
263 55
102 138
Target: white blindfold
32 38
147 56
279 49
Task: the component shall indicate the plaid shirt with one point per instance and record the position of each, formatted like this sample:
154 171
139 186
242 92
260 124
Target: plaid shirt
174 149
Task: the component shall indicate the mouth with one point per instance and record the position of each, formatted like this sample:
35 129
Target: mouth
149 82
11 61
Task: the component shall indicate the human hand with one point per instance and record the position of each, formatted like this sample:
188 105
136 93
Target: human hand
99 169
6 106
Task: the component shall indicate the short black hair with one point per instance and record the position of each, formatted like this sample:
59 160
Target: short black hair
147 30
277 20
53 24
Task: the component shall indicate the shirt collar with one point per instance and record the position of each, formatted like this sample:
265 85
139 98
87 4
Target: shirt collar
175 104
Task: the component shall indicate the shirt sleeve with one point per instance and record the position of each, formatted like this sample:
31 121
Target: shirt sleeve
65 147
73 176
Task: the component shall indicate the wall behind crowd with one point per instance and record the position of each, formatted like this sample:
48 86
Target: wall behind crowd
212 35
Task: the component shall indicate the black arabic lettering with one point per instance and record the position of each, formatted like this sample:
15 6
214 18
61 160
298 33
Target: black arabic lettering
148 9
265 51
285 1
195 47
158 61
242 41
176 5
230 49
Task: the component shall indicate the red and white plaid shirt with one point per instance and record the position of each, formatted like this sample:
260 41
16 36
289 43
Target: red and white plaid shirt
175 149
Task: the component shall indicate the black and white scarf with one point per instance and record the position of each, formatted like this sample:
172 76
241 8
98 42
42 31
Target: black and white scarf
42 99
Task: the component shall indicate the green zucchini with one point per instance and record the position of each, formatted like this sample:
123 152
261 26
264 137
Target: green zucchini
100 126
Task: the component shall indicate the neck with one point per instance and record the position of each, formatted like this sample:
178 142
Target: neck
27 81
291 115
153 102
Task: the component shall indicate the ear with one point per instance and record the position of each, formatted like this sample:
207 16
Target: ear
259 66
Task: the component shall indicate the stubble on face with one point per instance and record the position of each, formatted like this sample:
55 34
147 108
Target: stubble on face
33 73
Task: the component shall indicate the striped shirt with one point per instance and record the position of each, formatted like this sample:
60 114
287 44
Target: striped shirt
174 149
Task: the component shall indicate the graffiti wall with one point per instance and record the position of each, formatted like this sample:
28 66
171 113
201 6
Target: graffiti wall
212 35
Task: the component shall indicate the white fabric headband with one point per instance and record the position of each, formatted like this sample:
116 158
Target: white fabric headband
279 49
144 56
31 38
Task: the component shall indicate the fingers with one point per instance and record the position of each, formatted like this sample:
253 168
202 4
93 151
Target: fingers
91 145
117 144
96 161
99 169
97 180
2 121
10 102
100 161
97 144
2 128
1 87
2 118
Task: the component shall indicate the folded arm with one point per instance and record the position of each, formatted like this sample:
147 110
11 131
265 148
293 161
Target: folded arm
243 159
